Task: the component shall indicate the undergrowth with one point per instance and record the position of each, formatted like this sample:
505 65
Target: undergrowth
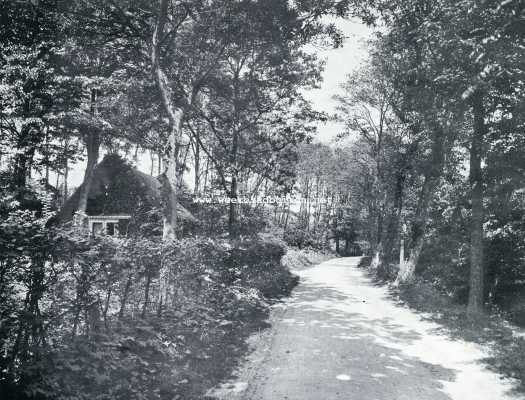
132 318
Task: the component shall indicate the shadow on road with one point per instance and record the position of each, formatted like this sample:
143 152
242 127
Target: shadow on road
334 348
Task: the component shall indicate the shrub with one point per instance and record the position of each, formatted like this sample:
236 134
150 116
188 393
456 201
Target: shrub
136 318
364 262
301 238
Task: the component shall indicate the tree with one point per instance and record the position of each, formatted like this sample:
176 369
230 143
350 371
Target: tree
459 62
36 94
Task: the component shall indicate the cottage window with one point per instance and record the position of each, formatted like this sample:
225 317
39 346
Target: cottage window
110 228
97 228
106 224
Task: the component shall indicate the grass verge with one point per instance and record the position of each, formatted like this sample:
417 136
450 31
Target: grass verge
296 259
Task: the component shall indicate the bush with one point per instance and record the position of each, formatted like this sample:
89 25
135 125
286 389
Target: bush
364 262
213 219
301 238
136 318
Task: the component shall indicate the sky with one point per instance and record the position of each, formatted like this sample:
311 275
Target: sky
339 63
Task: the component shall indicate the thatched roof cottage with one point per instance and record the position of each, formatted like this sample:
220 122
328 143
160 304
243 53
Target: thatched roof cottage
122 199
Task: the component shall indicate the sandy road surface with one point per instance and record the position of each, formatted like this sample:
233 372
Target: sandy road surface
341 337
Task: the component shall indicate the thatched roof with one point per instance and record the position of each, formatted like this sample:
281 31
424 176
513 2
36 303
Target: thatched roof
105 175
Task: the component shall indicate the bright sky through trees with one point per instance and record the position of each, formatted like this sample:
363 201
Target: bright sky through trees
339 63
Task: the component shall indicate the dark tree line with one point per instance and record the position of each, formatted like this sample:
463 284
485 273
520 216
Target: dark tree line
436 112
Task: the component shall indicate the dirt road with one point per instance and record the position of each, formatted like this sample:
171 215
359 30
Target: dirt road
341 337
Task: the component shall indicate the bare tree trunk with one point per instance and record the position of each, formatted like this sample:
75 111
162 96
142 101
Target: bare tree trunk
125 295
477 271
232 217
106 305
175 117
306 205
206 173
146 295
197 158
287 217
152 159
327 218
181 167
22 164
376 256
392 228
93 150
419 226
377 253
169 180
28 138
46 157
408 267
401 251
66 172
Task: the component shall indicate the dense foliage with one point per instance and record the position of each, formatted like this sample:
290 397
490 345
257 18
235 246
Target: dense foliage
90 317
436 119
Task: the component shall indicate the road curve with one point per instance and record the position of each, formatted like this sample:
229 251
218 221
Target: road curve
341 337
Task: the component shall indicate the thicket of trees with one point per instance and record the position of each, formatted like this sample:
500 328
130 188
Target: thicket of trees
216 82
438 115
435 165
212 89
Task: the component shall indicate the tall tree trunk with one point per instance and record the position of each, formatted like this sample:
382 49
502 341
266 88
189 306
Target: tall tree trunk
152 159
46 157
419 226
206 174
66 177
57 185
326 218
25 145
197 158
106 304
392 228
406 271
287 217
401 251
169 180
181 167
93 150
307 206
146 295
136 155
377 253
125 296
232 217
477 271
175 117
27 141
